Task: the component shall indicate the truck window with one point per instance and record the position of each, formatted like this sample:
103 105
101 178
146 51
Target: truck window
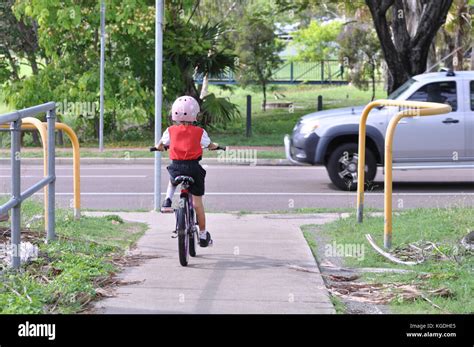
442 92
472 95
396 93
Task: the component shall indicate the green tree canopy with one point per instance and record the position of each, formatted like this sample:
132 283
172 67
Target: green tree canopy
257 46
317 41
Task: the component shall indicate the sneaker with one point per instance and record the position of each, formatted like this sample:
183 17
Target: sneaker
205 242
166 206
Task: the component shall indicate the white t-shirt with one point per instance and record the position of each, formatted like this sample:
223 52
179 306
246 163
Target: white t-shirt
205 140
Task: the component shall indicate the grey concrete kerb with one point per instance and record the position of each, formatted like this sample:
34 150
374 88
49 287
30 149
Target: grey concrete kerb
252 268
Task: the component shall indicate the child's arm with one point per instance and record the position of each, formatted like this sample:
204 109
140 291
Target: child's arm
206 141
165 141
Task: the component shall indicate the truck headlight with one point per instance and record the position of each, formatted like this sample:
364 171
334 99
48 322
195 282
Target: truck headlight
308 128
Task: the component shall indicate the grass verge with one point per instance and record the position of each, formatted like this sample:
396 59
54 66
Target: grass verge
124 153
68 271
444 227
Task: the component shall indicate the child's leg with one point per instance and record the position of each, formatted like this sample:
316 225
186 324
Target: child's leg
170 191
200 214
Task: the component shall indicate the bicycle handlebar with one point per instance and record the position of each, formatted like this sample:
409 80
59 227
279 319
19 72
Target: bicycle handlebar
219 148
154 149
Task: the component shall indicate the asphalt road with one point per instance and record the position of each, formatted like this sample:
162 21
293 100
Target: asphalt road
251 188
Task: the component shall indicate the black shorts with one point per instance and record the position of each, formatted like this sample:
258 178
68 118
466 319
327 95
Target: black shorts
190 168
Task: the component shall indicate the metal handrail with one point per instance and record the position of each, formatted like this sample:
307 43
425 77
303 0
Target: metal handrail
76 162
17 197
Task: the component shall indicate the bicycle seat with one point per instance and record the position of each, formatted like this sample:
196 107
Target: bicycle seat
184 179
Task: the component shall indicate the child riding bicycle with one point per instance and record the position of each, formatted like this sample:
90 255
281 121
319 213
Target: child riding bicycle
185 141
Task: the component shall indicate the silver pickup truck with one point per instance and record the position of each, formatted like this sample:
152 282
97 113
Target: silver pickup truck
330 138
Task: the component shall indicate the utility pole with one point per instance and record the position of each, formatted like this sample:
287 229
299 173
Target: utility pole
158 97
102 66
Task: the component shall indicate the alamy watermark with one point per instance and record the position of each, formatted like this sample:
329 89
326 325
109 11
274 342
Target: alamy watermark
37 330
86 109
341 250
238 156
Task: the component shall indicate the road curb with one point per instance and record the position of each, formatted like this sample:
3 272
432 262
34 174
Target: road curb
150 161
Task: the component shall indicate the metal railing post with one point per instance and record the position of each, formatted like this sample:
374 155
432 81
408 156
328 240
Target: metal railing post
320 103
248 131
322 71
15 130
51 120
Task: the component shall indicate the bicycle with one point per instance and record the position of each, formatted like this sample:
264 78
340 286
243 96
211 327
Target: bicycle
186 222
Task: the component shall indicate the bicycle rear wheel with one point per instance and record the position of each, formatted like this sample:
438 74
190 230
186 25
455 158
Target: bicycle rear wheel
193 242
183 235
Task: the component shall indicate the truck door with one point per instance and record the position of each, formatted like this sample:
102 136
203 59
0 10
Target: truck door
438 138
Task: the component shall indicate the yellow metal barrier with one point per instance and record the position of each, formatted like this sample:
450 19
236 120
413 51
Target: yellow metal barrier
76 162
412 108
31 123
35 123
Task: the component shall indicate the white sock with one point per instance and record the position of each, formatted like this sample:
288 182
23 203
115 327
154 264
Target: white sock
203 234
170 191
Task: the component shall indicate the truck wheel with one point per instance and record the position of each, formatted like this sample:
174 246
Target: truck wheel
342 166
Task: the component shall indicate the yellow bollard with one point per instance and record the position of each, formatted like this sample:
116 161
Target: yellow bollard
76 162
414 109
426 109
361 159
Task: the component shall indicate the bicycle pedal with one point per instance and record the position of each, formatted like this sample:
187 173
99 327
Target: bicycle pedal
166 210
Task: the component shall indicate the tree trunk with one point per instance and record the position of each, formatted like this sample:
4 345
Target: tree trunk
190 88
432 59
205 87
60 138
60 133
33 63
372 75
463 28
472 57
13 66
449 47
96 127
36 140
405 54
264 104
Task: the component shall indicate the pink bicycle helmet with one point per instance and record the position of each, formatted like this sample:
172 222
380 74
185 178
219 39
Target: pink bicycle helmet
185 109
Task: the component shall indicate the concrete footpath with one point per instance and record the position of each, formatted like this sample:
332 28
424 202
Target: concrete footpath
250 268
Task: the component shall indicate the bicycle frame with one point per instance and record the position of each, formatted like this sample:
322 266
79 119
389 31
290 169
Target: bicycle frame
185 194
186 230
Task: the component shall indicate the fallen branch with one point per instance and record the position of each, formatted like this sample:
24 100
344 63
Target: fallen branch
431 302
26 294
383 293
438 250
388 255
327 265
13 290
338 278
303 269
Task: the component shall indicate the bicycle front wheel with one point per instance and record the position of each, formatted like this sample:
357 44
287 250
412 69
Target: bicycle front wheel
183 235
